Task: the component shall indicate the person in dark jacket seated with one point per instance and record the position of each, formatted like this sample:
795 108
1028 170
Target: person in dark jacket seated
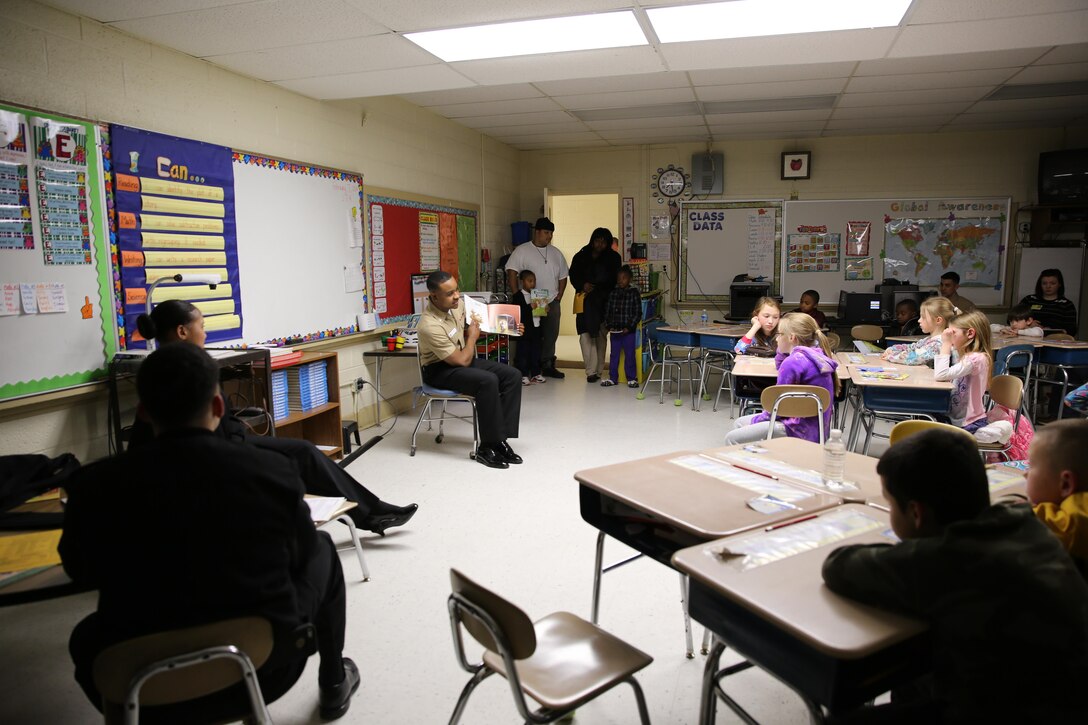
180 321
191 529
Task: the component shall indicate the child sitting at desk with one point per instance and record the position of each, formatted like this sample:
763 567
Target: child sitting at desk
906 316
934 317
804 358
527 358
760 339
179 321
1058 484
809 299
1007 612
1021 321
969 336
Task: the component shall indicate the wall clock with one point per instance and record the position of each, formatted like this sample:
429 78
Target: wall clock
669 183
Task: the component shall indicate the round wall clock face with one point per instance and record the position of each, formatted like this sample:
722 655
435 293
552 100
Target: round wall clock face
671 183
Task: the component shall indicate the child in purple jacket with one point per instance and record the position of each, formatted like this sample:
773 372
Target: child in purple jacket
804 358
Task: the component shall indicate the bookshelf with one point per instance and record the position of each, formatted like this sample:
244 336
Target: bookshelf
320 425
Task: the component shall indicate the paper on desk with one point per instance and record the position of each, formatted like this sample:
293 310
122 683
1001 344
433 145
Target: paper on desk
881 375
1001 477
790 540
782 469
761 485
26 551
864 346
323 507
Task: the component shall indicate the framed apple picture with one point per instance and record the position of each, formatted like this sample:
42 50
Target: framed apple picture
796 164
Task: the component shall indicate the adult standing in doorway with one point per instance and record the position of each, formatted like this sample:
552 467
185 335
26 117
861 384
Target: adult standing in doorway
550 267
1049 305
949 287
593 274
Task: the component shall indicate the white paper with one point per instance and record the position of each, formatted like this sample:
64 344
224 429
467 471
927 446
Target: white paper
379 274
353 279
10 304
379 289
659 252
355 229
380 305
58 298
377 258
322 507
377 220
377 242
761 244
30 301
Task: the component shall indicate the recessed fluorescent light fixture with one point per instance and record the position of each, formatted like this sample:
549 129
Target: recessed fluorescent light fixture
532 37
752 18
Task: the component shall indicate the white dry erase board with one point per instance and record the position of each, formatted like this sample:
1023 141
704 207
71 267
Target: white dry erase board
1033 260
300 248
56 330
722 239
914 240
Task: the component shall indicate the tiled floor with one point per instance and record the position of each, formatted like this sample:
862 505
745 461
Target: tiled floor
517 531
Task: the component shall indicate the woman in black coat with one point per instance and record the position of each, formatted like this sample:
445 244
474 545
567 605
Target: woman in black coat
593 273
1049 305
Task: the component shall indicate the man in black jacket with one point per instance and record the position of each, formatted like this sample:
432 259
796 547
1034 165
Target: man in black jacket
191 529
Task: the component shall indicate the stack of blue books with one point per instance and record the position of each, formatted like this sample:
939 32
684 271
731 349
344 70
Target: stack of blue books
279 395
307 386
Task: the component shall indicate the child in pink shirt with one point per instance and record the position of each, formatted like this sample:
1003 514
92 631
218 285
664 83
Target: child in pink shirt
969 336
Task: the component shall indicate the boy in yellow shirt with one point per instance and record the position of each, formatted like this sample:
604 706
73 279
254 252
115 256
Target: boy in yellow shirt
1058 484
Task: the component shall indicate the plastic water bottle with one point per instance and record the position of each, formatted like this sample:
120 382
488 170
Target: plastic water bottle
703 318
834 459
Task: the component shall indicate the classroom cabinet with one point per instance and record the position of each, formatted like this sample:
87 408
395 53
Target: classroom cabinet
320 425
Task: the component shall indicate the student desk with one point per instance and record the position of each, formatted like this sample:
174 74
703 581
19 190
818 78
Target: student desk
685 336
657 506
717 342
47 583
778 614
379 357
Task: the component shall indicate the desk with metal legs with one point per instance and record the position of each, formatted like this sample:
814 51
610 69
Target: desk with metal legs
379 357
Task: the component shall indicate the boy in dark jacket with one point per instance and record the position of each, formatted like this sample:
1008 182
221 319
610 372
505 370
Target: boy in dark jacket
527 357
1008 612
622 314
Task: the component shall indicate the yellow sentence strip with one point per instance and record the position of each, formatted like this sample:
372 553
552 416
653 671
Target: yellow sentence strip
189 259
160 272
181 206
158 240
178 188
190 292
214 307
222 322
156 222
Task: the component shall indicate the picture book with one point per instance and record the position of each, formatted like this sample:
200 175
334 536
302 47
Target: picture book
538 300
493 319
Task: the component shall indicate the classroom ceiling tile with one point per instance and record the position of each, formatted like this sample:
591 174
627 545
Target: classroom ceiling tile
922 81
771 74
990 115
601 63
658 122
690 132
1074 53
754 135
950 62
488 108
830 47
889 131
1057 73
537 128
560 145
108 11
806 114
943 11
937 95
897 121
781 89
784 127
1032 104
1034 31
252 26
433 14
614 84
575 137
378 83
354 55
515 119
475 94
892 111
626 99
665 137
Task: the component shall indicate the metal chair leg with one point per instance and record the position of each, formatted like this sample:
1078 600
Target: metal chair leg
346 520
708 700
705 648
689 652
597 572
643 711
480 675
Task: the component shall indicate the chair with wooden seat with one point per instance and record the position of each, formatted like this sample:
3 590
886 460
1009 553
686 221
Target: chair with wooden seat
796 401
1059 336
906 428
561 661
868 333
1007 391
1018 358
431 396
833 341
180 665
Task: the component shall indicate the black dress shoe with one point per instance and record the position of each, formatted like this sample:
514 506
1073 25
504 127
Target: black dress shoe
508 454
333 702
553 373
491 457
393 516
593 378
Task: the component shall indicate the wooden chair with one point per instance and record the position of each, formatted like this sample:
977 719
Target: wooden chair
796 401
1006 390
431 396
906 428
1019 358
868 333
184 664
1059 336
833 341
561 661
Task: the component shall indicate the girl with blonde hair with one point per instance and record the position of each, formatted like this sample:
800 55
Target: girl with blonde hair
933 319
968 335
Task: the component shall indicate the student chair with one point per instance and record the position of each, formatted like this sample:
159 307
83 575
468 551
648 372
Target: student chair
1054 363
167 668
679 362
1006 390
1017 358
1059 336
560 661
833 341
433 396
868 333
906 428
796 401
719 361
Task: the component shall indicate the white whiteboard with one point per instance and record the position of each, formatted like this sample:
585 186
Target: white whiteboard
722 239
295 241
836 214
1033 260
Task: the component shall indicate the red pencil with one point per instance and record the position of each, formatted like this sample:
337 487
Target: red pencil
784 524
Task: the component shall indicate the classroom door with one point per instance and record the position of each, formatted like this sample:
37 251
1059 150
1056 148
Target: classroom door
575 217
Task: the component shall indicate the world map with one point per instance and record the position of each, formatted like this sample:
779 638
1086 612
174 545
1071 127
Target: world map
921 250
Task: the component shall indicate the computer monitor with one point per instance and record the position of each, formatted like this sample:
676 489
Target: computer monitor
743 297
857 307
891 300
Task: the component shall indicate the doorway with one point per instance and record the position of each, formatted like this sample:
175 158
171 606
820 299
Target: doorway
575 217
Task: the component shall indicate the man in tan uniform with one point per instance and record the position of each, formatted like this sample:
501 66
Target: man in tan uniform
950 284
447 351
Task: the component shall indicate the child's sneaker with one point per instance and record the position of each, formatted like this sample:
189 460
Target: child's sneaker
539 379
526 381
632 383
606 383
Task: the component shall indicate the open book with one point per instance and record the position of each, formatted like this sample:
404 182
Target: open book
868 348
495 319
